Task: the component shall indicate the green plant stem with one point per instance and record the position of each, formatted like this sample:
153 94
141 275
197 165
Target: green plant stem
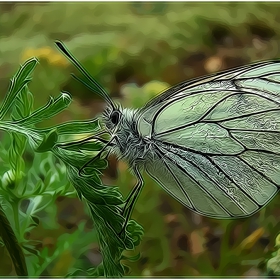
226 253
16 217
9 238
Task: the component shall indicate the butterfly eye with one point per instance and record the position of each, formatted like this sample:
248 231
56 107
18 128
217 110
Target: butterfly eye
115 116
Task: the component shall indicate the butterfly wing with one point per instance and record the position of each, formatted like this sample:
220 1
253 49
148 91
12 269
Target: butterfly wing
223 75
216 140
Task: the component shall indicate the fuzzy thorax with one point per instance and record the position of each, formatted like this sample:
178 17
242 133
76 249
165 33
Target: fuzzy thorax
128 143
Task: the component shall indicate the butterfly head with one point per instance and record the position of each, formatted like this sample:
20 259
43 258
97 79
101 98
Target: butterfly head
112 116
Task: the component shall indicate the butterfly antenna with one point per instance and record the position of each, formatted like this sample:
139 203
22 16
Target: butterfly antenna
90 82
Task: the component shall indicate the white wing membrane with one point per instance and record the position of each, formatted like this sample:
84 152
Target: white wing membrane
200 185
268 121
217 140
259 141
254 183
238 105
191 110
202 137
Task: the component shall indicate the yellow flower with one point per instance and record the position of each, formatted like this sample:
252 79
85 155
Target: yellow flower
52 56
28 53
57 60
44 52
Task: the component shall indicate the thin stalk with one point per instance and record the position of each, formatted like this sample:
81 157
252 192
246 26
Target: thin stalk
9 238
16 217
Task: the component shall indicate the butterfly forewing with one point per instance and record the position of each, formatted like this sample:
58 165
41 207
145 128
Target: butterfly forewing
216 140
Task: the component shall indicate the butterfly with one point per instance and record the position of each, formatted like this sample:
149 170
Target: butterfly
212 143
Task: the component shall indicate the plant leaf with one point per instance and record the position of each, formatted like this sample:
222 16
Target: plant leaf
75 127
21 78
48 142
52 108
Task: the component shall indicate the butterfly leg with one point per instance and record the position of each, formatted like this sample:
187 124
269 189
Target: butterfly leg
132 197
108 144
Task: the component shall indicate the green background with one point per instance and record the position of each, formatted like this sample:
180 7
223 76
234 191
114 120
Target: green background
136 50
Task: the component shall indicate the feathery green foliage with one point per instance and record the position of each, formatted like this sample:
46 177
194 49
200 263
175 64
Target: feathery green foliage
104 203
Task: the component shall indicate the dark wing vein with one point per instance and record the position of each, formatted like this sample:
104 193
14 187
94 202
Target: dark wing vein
194 180
259 172
211 109
163 157
217 183
242 116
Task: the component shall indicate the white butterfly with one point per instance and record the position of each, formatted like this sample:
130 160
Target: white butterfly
213 143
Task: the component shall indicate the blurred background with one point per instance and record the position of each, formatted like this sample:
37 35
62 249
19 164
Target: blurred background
136 50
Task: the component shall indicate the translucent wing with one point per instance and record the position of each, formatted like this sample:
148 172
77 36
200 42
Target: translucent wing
217 140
